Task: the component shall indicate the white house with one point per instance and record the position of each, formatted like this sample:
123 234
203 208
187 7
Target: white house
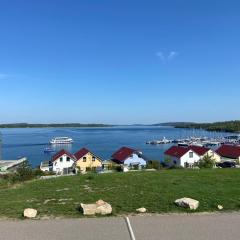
62 161
181 156
129 158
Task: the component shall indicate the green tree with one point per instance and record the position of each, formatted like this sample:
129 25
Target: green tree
206 162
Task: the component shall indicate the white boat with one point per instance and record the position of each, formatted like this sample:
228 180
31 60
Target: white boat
61 140
183 144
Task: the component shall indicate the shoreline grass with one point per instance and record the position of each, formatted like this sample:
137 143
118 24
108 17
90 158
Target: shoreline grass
156 191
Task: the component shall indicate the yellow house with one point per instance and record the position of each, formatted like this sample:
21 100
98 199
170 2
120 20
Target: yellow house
87 160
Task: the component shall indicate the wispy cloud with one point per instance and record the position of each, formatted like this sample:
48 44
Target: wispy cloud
172 55
165 57
160 55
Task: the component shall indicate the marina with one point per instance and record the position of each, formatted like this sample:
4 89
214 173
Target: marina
199 141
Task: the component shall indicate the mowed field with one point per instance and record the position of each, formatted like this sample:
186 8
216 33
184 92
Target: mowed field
126 192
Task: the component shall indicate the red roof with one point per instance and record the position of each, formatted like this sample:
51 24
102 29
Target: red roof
123 153
229 151
176 151
81 153
61 153
199 150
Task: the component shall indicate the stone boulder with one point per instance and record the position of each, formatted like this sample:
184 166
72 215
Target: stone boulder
220 207
100 207
189 203
30 213
141 210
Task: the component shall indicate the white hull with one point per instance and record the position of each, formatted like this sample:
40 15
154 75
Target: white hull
61 140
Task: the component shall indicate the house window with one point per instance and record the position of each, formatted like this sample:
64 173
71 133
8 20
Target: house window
61 159
84 159
93 159
68 159
190 154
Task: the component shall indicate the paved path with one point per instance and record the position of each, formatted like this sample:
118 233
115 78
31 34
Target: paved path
156 227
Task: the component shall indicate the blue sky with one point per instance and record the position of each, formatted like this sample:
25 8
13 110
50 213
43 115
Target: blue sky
119 62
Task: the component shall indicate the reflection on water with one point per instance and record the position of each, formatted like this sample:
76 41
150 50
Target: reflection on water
57 147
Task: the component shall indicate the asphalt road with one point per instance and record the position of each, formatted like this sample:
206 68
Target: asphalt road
156 227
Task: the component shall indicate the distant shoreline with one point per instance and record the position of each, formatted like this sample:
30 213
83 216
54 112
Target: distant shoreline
227 126
53 125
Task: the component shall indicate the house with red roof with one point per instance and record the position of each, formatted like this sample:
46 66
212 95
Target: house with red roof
204 151
187 156
129 158
229 152
62 161
85 159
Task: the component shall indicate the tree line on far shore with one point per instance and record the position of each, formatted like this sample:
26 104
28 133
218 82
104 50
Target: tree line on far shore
227 126
53 125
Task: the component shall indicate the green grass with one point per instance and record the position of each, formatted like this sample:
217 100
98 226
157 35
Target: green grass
155 191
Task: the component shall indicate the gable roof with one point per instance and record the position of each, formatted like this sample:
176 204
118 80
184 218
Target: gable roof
177 151
81 153
123 153
199 150
61 153
229 151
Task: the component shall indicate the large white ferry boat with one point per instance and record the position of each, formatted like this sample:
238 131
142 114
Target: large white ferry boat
61 140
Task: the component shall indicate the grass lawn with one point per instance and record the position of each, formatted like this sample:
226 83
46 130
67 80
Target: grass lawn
155 191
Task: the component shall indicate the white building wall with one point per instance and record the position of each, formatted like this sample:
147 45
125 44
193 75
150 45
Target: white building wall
135 159
187 159
58 165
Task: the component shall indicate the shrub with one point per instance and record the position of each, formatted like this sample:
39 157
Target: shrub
24 172
38 172
118 168
154 164
206 162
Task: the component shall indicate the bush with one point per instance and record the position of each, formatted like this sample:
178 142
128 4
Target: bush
38 172
118 168
206 162
154 164
24 172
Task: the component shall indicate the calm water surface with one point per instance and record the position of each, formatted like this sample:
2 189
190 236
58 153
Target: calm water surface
102 141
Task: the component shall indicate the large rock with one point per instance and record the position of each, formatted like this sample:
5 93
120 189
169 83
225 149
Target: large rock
30 213
190 203
100 207
141 210
220 207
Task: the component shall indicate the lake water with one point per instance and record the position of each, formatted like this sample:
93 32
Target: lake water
102 141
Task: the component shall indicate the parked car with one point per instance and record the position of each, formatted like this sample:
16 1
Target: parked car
227 164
